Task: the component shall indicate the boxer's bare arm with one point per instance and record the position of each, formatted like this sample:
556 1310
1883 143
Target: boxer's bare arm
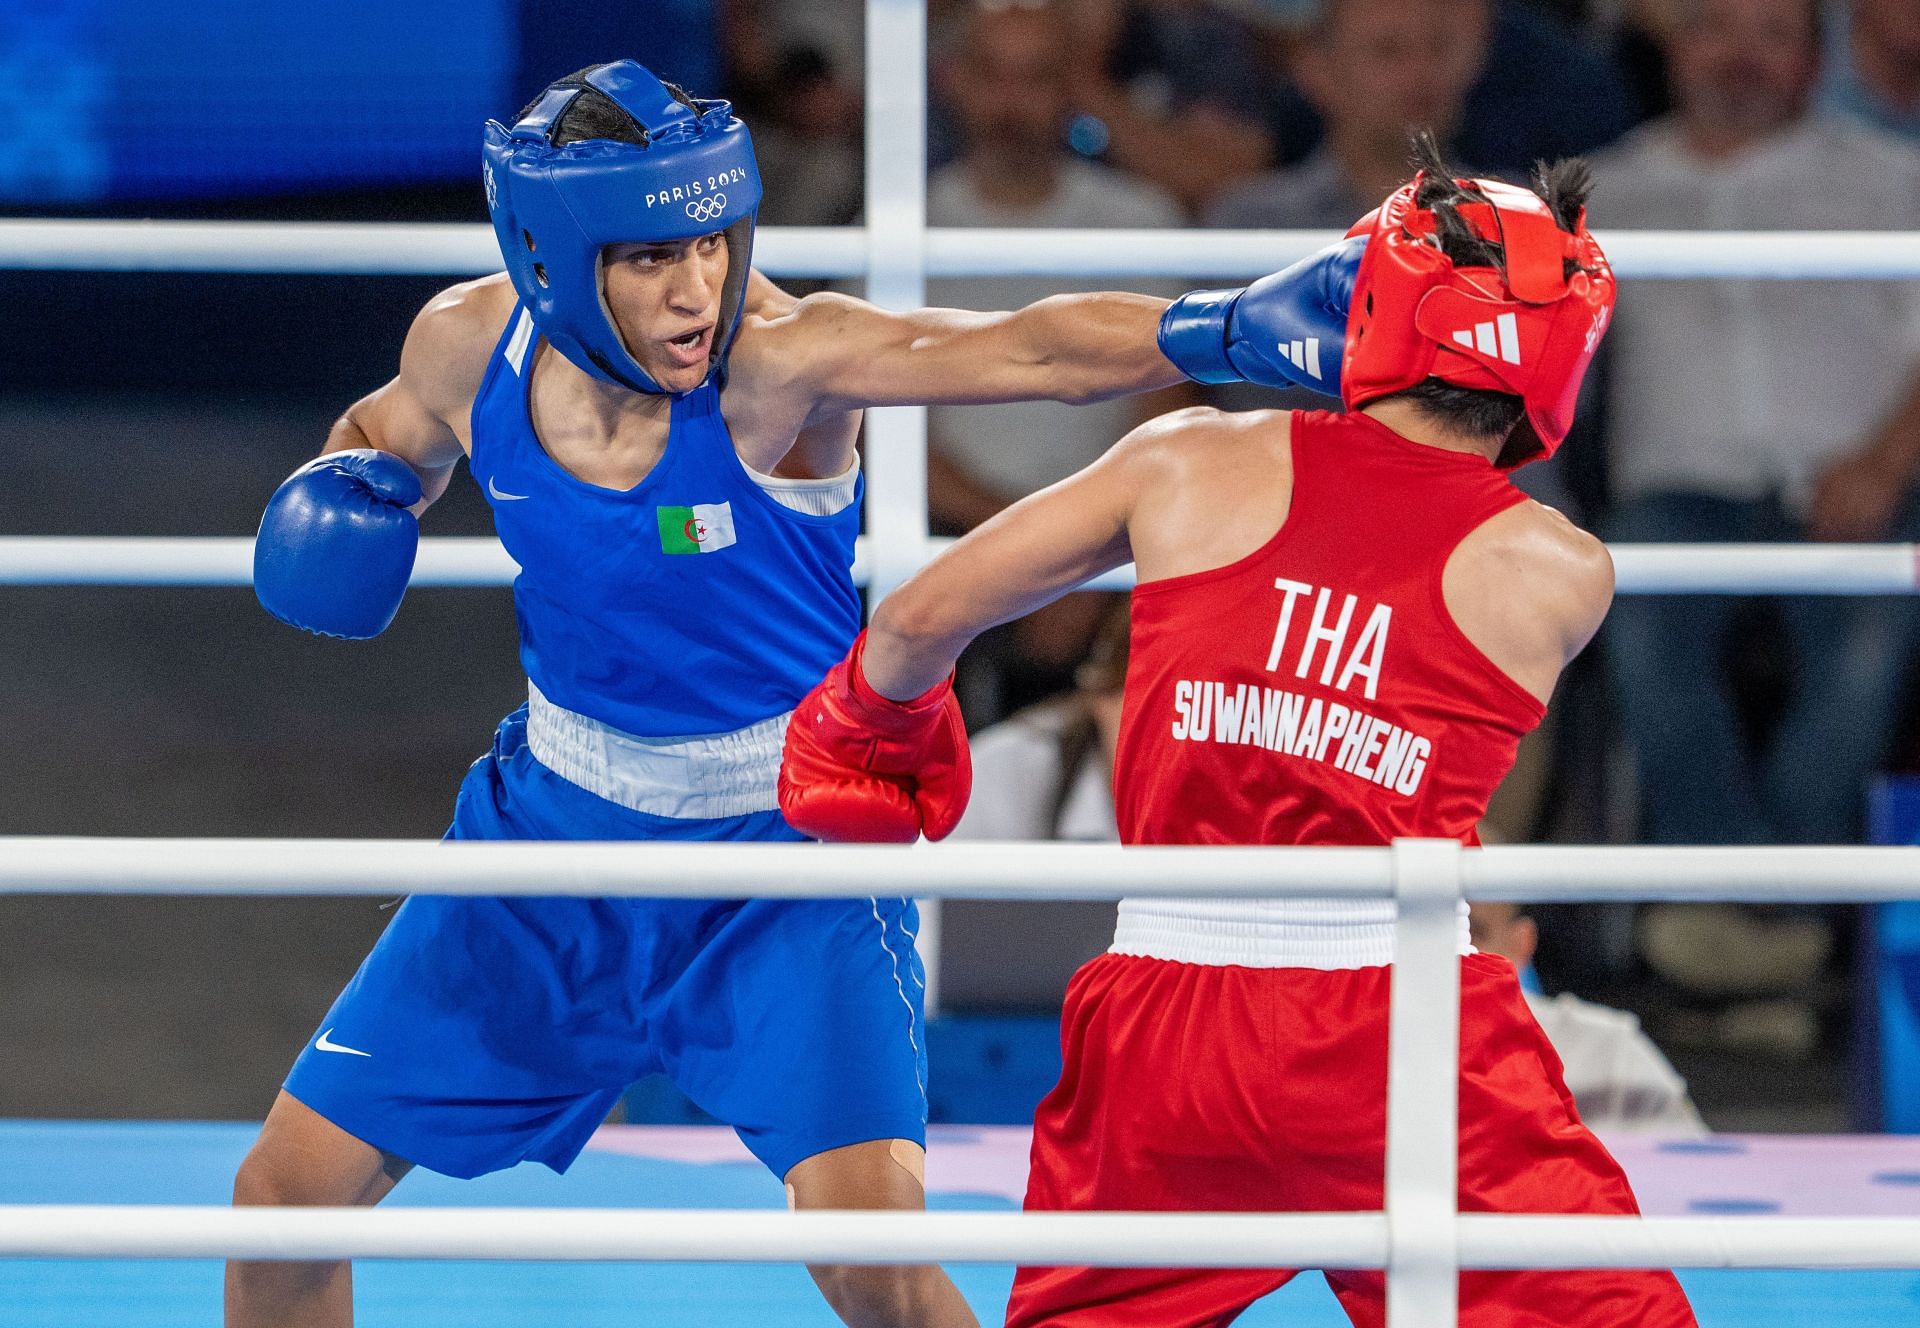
1529 588
785 437
1028 555
831 353
421 416
1196 490
1190 490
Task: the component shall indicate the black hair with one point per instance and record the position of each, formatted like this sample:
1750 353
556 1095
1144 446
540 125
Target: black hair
593 114
1565 187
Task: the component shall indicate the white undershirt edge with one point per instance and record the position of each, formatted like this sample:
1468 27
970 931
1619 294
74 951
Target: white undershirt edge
817 497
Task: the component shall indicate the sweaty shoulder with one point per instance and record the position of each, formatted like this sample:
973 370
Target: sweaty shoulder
447 347
1199 437
1529 588
773 410
776 338
1539 542
1213 486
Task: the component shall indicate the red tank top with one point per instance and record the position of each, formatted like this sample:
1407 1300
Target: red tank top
1317 691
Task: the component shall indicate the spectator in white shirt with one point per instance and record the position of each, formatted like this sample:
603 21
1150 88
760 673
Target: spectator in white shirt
1619 1080
1742 410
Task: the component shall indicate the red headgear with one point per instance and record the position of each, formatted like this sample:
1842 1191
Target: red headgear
1530 330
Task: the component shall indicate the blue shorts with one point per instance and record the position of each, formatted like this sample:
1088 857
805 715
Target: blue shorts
484 1032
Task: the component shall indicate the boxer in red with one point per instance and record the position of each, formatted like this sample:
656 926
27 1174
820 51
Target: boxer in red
1344 625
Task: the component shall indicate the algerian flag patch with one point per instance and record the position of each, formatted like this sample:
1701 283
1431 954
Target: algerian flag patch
702 528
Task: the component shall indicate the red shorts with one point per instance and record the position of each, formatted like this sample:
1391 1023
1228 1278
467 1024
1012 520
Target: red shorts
1264 1090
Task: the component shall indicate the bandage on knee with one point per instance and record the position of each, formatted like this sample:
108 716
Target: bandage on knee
910 1156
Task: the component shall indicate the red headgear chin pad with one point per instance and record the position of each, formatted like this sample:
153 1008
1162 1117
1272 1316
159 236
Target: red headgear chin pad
1530 331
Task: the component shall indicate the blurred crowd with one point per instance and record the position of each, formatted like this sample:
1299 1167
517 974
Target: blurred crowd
1723 410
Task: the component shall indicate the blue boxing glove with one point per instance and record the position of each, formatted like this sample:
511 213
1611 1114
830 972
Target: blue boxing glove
336 544
1286 330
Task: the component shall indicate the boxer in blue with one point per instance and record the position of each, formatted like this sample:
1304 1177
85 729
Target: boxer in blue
685 577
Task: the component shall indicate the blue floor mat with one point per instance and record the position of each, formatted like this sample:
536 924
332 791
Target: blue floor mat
60 1162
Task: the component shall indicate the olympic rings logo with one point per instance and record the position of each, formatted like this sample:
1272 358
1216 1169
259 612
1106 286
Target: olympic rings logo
706 209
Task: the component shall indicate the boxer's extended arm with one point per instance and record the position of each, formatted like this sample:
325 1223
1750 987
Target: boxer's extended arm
877 751
1031 554
843 353
1287 329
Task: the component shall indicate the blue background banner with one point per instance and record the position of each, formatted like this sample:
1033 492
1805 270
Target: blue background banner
122 100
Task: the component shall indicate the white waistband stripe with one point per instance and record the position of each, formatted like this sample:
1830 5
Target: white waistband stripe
1262 933
692 779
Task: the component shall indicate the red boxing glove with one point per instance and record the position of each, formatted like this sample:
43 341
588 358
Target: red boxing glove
860 767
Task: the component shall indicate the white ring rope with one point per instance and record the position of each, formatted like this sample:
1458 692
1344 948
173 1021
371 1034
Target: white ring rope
1108 1240
1338 1240
1518 1240
469 249
1422 1053
1722 569
1008 870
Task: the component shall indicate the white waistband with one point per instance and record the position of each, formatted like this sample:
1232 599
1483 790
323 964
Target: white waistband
1262 933
692 779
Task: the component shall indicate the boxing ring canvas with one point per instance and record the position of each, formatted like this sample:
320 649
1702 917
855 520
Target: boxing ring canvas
981 1168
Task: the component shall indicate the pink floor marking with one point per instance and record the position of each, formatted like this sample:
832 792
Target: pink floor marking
1795 1175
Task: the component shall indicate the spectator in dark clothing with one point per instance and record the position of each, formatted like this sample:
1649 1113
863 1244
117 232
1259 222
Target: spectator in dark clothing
1374 70
793 70
1541 94
1872 66
1168 90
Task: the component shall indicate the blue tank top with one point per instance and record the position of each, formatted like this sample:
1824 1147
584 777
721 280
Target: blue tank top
692 603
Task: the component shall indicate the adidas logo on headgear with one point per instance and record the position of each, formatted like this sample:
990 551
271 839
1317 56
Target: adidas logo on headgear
1500 337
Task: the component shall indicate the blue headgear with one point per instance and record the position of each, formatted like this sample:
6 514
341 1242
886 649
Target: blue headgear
556 208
